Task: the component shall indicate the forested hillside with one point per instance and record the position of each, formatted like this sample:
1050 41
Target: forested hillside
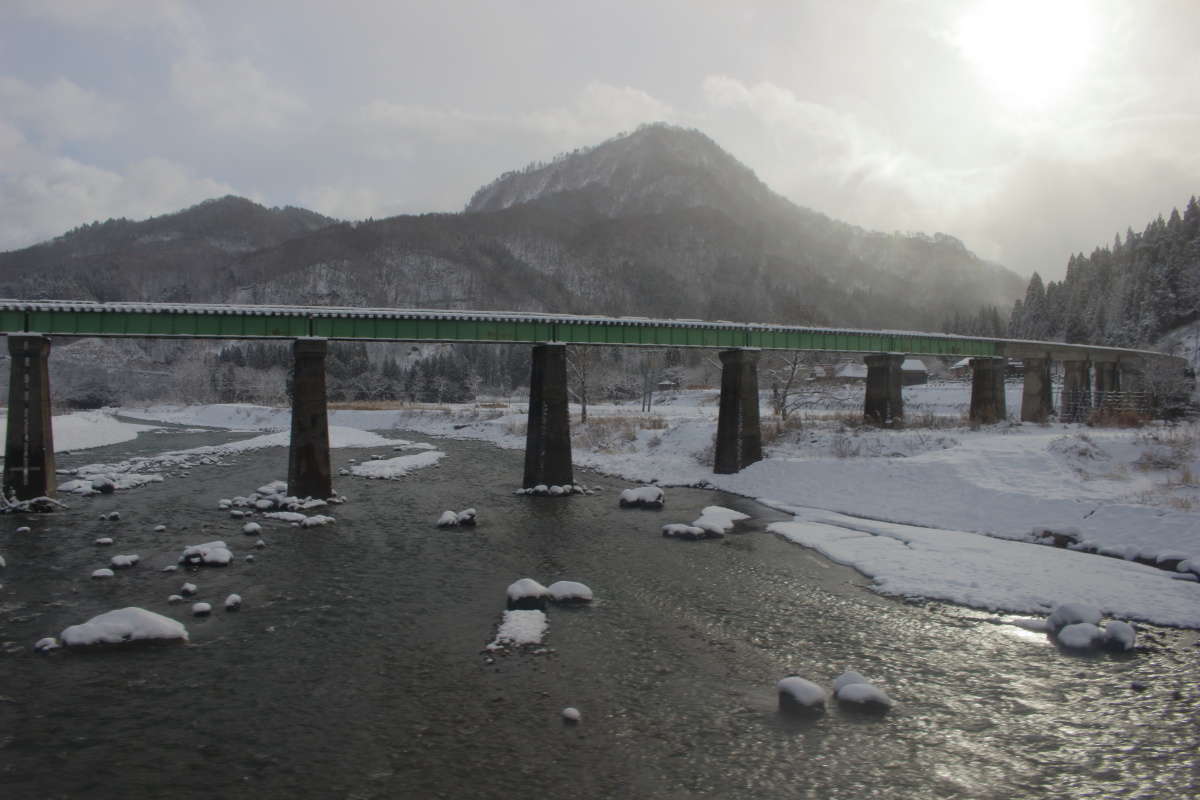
1126 295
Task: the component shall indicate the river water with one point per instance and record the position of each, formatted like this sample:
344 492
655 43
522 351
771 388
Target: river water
355 669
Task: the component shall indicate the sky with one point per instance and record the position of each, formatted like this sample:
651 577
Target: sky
1030 129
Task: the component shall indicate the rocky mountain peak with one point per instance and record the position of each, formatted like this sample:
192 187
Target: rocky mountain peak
656 168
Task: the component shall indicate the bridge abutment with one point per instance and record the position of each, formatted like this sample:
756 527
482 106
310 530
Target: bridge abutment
884 402
739 434
548 434
1037 399
1076 391
29 443
309 474
988 403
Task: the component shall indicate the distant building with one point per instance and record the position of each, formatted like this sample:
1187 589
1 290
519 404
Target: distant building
852 371
913 372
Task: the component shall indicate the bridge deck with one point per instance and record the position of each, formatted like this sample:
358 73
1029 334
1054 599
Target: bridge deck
81 318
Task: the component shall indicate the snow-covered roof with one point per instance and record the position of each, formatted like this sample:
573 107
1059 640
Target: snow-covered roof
913 365
852 371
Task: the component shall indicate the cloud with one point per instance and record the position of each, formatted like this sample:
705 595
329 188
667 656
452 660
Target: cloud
60 110
232 96
43 195
597 112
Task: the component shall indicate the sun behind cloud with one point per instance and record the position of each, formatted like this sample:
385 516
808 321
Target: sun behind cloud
1030 53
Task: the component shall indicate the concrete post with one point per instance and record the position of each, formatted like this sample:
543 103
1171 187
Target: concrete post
29 444
884 404
309 474
548 435
1037 399
987 390
1106 380
739 436
1076 393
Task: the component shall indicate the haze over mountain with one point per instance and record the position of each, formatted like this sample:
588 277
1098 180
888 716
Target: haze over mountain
661 222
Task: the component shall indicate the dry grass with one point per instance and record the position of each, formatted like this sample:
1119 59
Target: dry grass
609 434
773 428
1116 418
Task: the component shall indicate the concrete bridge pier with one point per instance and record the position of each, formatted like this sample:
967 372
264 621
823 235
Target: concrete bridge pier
309 474
1037 398
548 435
1076 391
1106 380
884 403
988 404
739 435
29 443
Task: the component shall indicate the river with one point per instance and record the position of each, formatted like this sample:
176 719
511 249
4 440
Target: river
356 667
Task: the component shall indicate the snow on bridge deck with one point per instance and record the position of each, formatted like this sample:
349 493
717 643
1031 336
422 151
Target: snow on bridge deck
209 320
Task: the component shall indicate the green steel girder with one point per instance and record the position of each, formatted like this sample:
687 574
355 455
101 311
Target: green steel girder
77 318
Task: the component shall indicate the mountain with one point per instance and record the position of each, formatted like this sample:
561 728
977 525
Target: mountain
175 257
660 222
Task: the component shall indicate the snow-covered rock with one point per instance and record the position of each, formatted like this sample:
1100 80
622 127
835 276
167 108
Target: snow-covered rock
678 530
448 519
233 602
188 589
104 540
527 594
642 497
46 645
865 696
1119 636
847 678
124 625
171 568
317 521
215 554
466 517
800 696
853 689
1080 636
718 520
23 529
260 544
571 714
286 516
103 572
159 528
252 529
520 627
124 561
569 592
175 599
1066 614
201 609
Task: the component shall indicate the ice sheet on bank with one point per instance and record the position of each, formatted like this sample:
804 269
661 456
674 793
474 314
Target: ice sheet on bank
86 429
398 467
995 574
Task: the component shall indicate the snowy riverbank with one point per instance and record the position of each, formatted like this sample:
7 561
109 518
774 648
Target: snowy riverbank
924 512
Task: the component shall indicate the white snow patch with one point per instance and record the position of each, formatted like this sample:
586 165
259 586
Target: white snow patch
518 628
398 467
643 496
83 430
1080 636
